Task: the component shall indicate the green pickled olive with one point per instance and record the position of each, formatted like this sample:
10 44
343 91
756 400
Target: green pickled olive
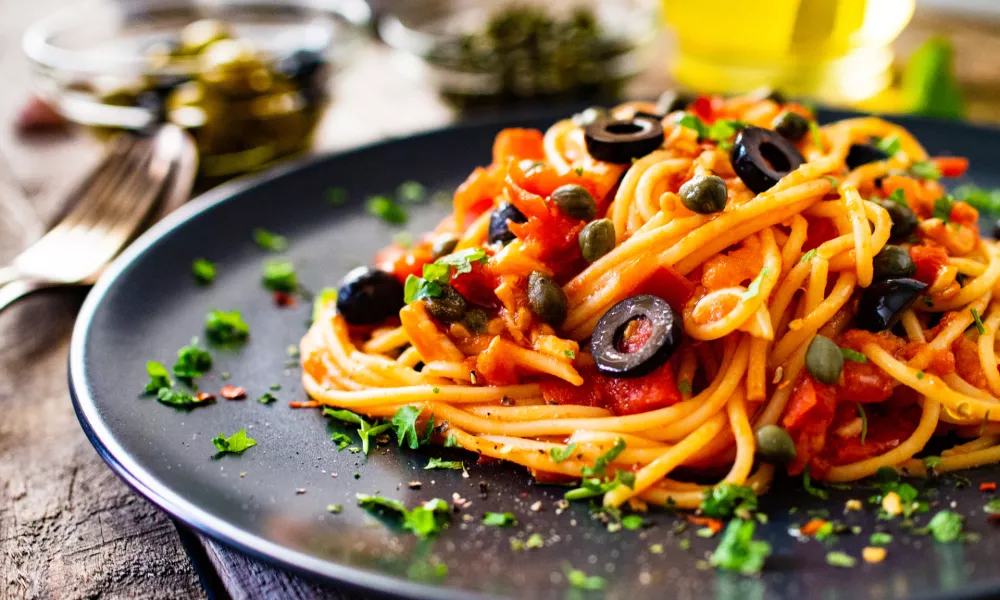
791 126
449 307
893 262
704 195
774 445
546 298
235 67
476 320
824 360
575 202
596 239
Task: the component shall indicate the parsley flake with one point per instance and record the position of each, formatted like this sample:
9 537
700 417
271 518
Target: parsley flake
411 192
418 288
280 276
864 422
738 551
992 507
725 499
180 399
808 256
853 355
581 580
226 327
602 461
203 271
405 424
386 209
272 242
267 398
234 444
931 461
754 288
815 491
342 440
437 463
158 377
423 521
633 522
192 362
890 145
942 208
840 560
451 441
496 519
899 197
925 169
946 526
979 322
880 539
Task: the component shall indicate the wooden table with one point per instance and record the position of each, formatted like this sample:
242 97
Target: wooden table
69 528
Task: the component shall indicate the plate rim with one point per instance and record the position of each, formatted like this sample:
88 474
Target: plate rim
145 483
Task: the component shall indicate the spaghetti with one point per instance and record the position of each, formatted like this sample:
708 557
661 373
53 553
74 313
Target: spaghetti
497 341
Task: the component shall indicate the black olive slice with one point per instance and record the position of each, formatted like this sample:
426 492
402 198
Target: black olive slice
499 230
862 154
883 302
761 157
368 296
622 140
661 344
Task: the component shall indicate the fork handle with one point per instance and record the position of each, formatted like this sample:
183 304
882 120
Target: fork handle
13 291
8 275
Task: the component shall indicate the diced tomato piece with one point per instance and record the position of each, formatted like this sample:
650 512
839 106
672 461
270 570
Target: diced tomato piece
988 486
929 260
703 108
728 270
636 334
865 383
402 262
548 235
807 419
668 284
964 213
888 426
477 285
476 194
623 396
518 144
967 362
951 166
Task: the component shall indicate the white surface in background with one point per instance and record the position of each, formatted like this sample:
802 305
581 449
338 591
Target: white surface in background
990 8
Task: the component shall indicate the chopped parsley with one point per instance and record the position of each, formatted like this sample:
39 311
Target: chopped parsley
738 551
925 169
880 539
817 135
754 288
280 276
158 377
726 499
366 430
335 509
808 486
192 362
226 327
203 271
437 463
451 441
534 540
899 197
633 522
840 560
946 526
808 256
411 191
267 398
601 462
930 462
496 519
992 507
692 122
890 145
942 208
234 444
423 521
270 241
322 299
979 322
386 209
888 481
180 399
593 486
581 580
853 355
721 131
405 424
560 454
341 439
864 422
336 196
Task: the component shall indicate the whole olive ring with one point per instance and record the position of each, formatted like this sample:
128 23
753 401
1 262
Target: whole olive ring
622 140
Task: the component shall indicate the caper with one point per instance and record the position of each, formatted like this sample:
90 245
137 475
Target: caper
575 202
791 126
449 307
588 116
547 300
893 262
197 36
704 195
774 445
904 221
824 360
443 246
597 239
476 320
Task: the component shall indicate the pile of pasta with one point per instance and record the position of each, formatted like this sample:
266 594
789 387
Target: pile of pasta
768 273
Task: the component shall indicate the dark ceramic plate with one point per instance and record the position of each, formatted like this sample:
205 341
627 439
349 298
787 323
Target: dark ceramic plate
147 306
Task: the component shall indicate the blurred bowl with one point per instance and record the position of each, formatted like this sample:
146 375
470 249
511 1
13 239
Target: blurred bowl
454 43
92 59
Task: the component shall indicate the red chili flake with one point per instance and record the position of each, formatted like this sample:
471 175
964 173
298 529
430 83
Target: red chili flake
231 392
282 299
989 486
312 404
205 397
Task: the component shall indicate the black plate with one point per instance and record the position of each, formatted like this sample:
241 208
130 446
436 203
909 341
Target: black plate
147 306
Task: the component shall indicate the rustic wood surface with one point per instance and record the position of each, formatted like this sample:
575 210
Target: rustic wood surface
69 528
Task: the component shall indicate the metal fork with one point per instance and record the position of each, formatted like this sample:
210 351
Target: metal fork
112 203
